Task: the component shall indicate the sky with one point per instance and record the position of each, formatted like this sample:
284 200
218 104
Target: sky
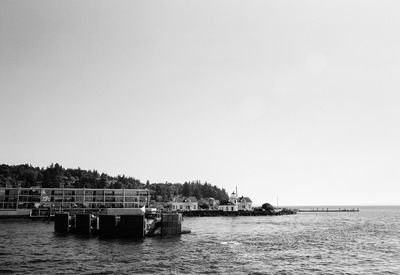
295 100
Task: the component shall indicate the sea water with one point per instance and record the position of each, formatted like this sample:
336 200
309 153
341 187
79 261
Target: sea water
365 242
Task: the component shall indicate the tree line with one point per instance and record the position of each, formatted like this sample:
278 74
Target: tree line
56 176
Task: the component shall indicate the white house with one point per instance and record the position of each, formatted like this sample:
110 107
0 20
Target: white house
236 204
228 207
231 205
244 203
185 203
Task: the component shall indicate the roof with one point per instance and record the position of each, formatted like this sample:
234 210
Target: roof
185 199
226 203
244 199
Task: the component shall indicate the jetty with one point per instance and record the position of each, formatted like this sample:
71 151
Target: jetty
329 210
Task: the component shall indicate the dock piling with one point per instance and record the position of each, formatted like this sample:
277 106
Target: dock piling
107 225
171 224
61 223
83 223
133 226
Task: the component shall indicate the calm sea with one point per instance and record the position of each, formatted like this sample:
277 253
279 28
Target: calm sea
367 242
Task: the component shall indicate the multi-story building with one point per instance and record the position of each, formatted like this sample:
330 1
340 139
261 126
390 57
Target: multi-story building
29 198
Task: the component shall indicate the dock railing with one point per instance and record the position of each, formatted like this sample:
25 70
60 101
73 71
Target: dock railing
44 212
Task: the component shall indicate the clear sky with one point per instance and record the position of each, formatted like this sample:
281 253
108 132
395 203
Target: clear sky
296 99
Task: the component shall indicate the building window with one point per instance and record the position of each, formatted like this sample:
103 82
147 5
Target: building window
180 207
232 208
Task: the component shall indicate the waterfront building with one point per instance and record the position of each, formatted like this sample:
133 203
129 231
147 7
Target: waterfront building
245 203
29 198
228 206
182 203
236 203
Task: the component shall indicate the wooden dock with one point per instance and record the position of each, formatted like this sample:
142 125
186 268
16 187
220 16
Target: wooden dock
329 210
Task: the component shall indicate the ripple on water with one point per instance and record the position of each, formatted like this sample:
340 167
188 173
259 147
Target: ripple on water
329 243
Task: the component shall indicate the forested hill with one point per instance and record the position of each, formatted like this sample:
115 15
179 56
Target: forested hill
56 176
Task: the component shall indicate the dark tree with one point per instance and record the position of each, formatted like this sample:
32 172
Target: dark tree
267 207
186 189
55 175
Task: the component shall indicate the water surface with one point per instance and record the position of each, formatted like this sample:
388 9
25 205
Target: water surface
367 242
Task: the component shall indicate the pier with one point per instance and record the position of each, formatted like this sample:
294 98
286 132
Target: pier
254 212
329 210
124 223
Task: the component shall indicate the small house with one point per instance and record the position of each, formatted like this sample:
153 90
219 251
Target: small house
236 203
184 203
228 206
245 204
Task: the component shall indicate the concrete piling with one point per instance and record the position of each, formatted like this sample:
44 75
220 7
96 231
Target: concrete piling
171 224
